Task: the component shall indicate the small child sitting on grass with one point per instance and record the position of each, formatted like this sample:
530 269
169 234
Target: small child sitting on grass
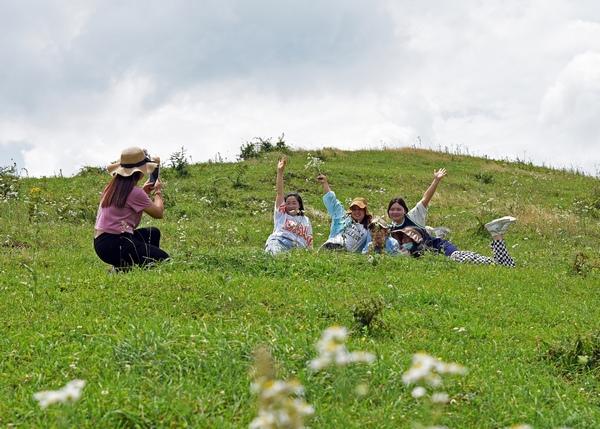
381 242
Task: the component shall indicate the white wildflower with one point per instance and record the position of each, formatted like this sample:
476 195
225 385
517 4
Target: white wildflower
450 368
365 357
421 369
71 392
332 350
426 369
313 162
418 392
280 403
440 398
362 389
319 364
583 359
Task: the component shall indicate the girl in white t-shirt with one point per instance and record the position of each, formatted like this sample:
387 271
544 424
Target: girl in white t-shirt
408 227
291 228
399 214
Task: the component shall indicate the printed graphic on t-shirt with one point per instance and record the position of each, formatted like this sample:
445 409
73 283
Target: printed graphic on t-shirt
297 229
302 231
355 235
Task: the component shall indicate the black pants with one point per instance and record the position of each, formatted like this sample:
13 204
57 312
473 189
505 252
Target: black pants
124 250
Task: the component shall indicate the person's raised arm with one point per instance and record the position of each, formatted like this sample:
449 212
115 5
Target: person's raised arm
322 179
332 204
438 175
157 208
279 200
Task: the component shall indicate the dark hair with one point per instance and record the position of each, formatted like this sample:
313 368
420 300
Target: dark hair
399 201
118 189
417 249
298 197
366 220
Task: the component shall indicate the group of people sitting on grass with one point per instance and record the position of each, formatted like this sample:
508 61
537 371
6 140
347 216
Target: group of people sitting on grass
121 244
356 230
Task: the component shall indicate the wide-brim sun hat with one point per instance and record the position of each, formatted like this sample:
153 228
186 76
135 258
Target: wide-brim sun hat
359 202
378 222
409 232
133 159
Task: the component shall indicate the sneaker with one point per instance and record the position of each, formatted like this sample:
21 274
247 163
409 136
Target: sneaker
438 231
332 246
499 226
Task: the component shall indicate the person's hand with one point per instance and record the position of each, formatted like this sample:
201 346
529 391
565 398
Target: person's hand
281 164
157 187
321 178
148 187
439 174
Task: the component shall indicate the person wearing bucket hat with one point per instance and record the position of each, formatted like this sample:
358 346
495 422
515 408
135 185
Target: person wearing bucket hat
414 241
117 240
414 221
291 228
410 240
381 241
349 229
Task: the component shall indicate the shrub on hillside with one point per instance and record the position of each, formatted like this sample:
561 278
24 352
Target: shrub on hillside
9 182
589 205
89 170
583 264
577 355
239 178
485 178
75 210
259 146
180 163
367 314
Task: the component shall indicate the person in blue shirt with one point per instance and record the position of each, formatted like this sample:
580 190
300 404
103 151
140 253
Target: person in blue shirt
349 229
381 241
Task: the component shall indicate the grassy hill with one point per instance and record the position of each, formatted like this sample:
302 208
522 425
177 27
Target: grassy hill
172 346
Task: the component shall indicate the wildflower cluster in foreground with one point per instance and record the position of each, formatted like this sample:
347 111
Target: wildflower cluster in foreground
71 392
428 370
332 350
280 403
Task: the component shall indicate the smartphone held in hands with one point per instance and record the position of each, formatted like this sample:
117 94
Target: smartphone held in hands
154 175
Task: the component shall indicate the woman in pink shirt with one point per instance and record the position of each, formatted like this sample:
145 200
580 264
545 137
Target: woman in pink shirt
117 241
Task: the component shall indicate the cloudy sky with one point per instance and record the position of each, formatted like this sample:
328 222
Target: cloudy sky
81 80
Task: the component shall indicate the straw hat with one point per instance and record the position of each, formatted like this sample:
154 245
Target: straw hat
132 159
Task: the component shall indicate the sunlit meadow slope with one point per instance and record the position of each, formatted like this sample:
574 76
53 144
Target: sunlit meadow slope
172 346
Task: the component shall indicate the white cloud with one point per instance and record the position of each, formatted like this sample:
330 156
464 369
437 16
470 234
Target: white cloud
510 79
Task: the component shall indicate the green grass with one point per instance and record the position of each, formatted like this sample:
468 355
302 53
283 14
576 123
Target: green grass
172 346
